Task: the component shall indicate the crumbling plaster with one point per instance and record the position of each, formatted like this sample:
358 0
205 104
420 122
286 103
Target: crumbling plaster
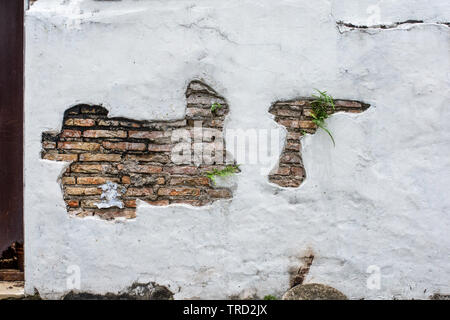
378 198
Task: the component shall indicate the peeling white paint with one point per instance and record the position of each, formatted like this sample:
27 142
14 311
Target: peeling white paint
111 194
379 198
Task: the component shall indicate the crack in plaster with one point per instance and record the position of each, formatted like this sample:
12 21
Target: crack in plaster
402 25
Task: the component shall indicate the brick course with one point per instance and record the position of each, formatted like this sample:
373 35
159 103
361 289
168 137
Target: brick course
134 154
295 116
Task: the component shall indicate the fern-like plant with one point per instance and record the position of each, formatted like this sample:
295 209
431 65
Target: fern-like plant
321 104
227 171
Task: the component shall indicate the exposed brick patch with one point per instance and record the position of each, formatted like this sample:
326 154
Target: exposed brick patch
302 272
136 155
295 116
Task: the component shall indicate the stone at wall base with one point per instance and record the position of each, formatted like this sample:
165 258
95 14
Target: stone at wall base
11 290
313 291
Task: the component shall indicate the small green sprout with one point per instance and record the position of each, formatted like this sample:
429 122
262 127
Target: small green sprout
215 106
270 297
227 171
320 107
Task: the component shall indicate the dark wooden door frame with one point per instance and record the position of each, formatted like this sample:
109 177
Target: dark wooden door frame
11 121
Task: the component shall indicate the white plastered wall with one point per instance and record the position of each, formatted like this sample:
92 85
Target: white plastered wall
380 197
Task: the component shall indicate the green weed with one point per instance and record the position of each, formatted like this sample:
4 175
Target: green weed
227 171
320 107
215 106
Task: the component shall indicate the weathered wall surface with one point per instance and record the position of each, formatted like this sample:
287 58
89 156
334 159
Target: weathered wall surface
378 198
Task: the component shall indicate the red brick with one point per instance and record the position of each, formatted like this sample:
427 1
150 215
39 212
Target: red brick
178 191
130 124
70 134
89 203
140 168
93 109
60 156
192 181
130 203
124 145
347 103
113 157
73 203
290 123
307 112
80 191
293 146
72 145
109 214
301 103
290 158
86 168
139 192
284 171
104 134
108 123
147 134
353 110
285 181
80 122
181 170
289 113
96 180
298 171
293 135
68 180
49 144
198 112
82 213
158 202
176 123
213 123
159 147
304 124
161 158
296 124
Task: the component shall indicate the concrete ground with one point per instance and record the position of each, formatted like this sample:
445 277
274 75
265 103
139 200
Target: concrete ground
11 289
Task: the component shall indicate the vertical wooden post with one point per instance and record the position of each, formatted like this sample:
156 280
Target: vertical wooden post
11 121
